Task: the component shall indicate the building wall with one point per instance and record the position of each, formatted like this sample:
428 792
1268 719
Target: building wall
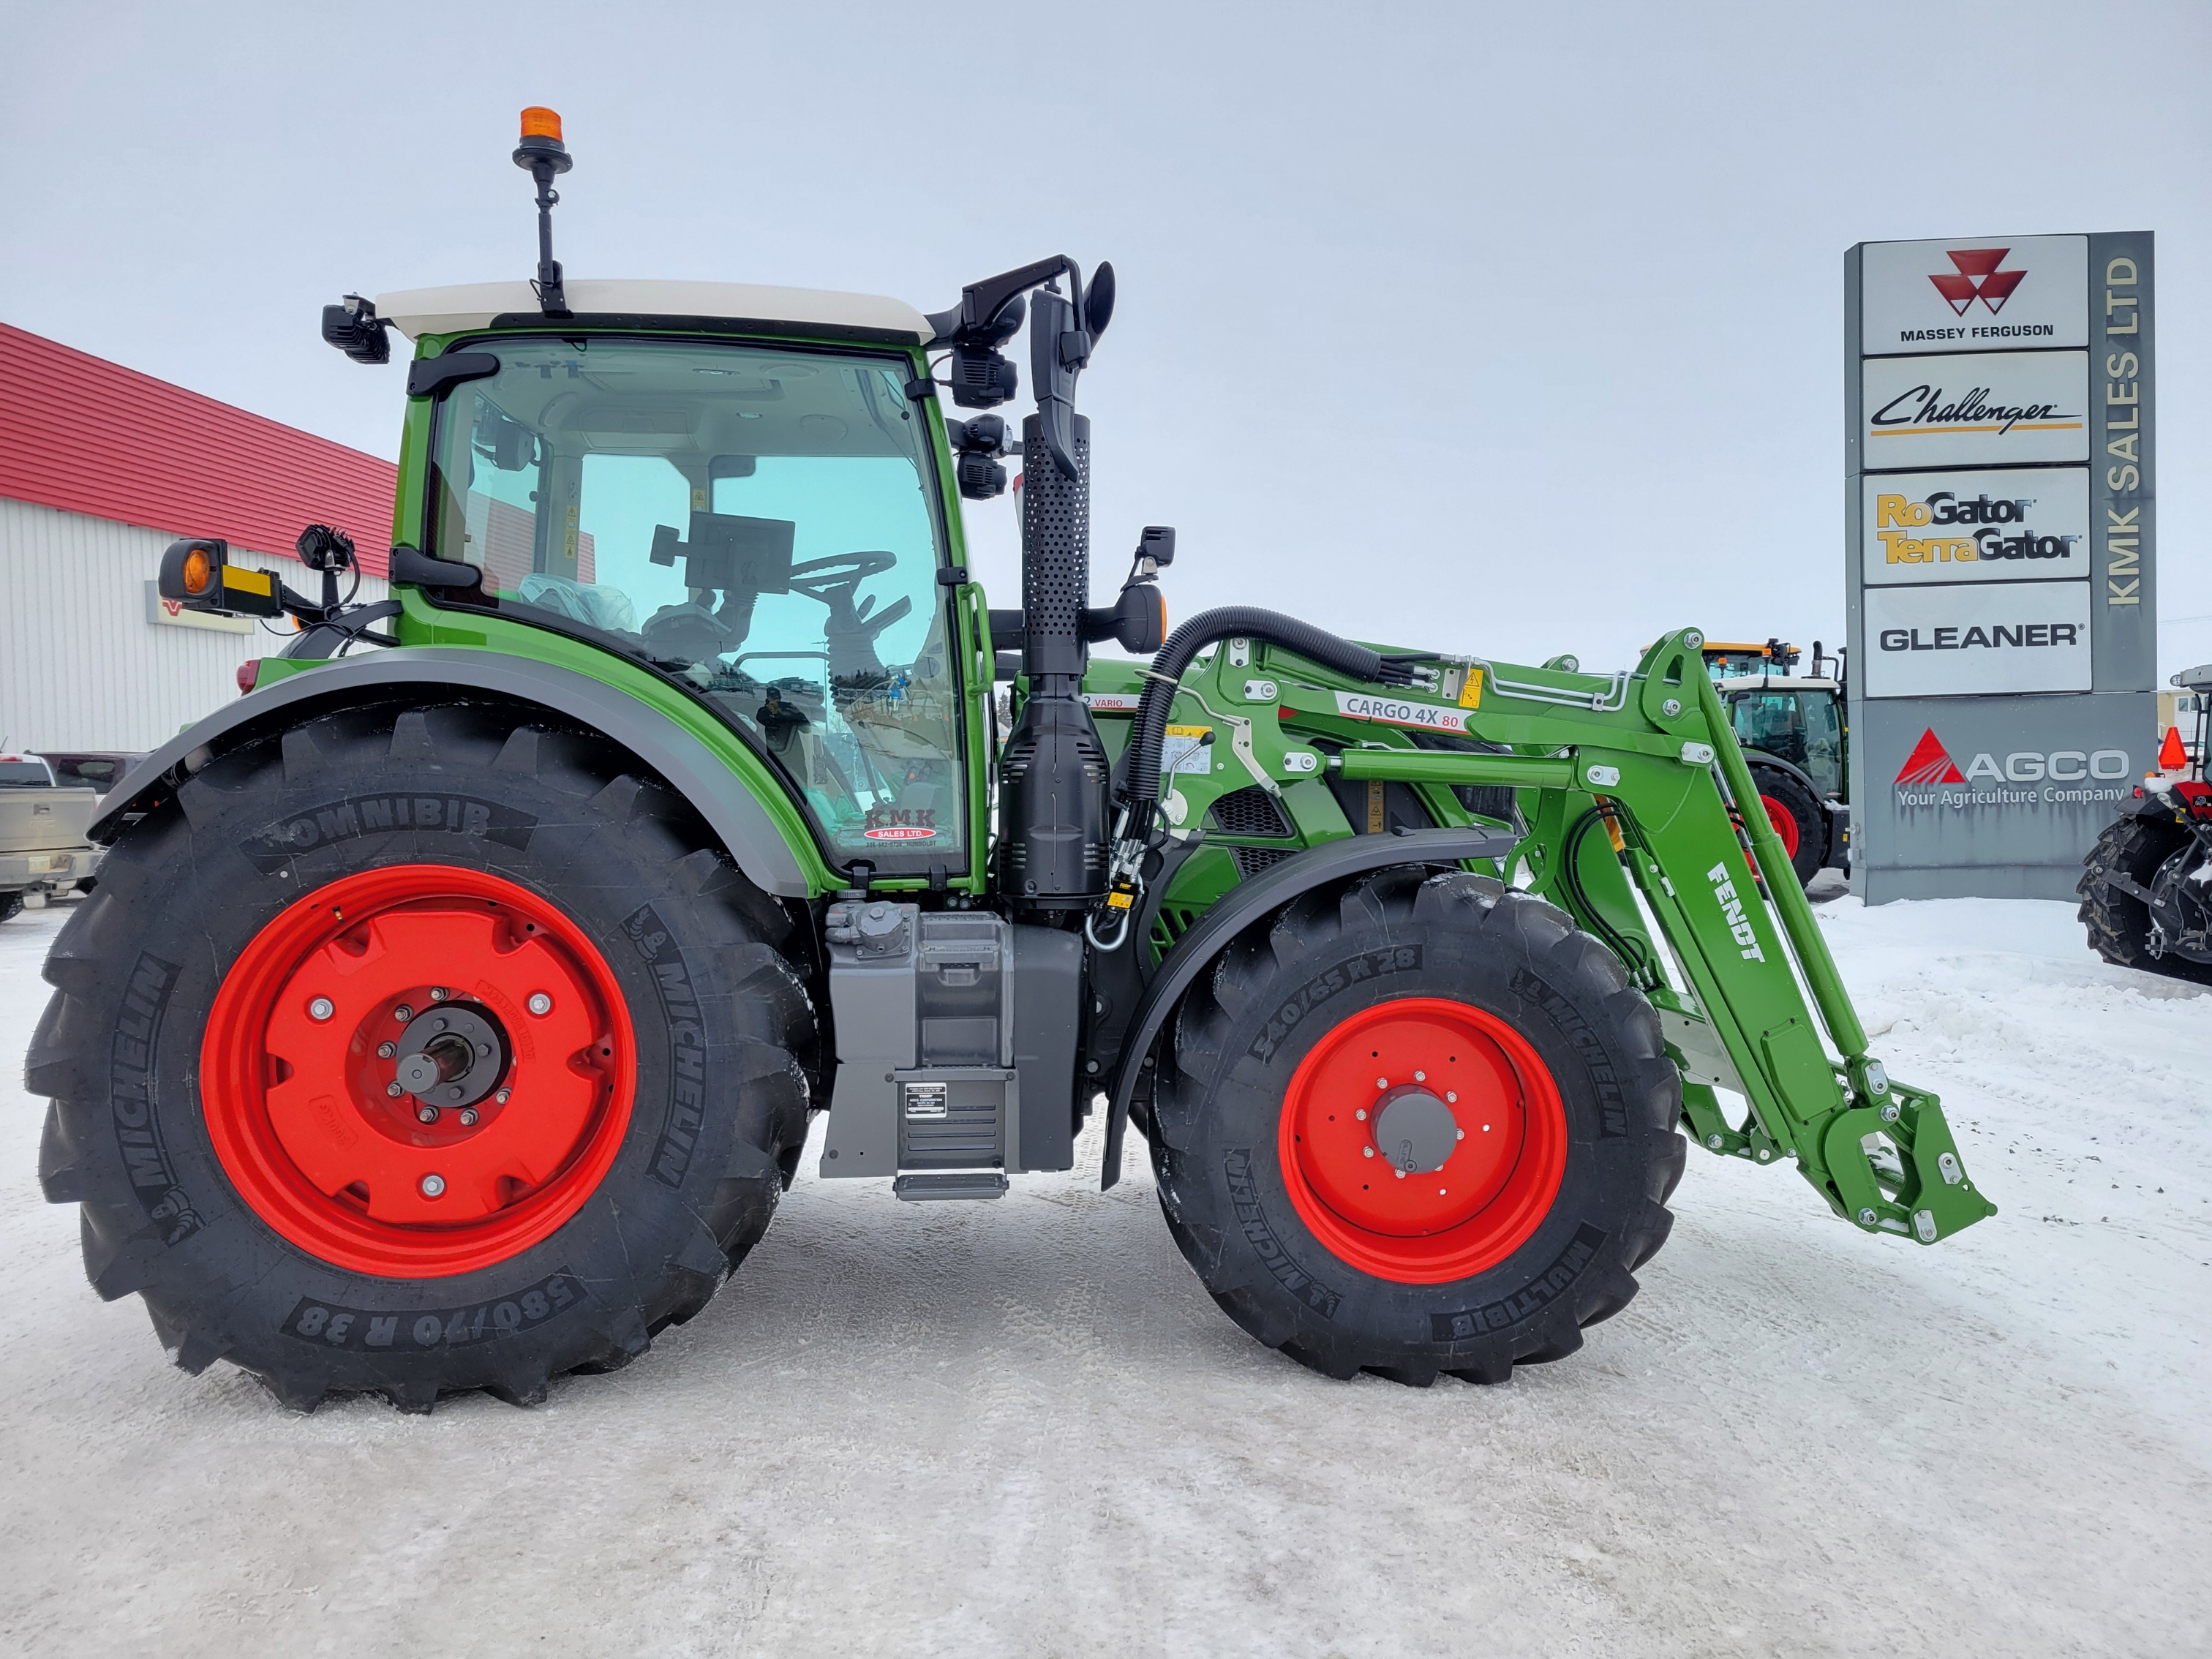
81 666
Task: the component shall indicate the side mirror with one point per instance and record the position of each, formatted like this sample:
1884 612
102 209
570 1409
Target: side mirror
1099 300
353 327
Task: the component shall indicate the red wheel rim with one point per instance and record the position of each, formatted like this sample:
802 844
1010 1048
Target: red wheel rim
1784 822
1507 1140
298 1097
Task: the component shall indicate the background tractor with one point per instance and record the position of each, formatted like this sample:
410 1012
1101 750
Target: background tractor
452 1008
2146 887
1795 730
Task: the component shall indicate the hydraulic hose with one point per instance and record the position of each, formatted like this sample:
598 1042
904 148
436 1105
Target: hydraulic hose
1141 786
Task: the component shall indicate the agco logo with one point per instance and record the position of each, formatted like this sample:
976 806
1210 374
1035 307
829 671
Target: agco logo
1989 780
1977 278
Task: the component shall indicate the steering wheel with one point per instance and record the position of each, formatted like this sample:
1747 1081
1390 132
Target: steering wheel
820 578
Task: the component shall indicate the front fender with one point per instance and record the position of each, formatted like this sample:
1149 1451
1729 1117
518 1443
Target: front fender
753 839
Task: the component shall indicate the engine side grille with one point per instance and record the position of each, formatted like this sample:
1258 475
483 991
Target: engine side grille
1251 860
1250 811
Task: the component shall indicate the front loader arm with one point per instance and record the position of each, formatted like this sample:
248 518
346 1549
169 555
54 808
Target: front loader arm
1630 789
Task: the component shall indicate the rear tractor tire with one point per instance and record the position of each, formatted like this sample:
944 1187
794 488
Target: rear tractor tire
1418 1123
1797 816
417 1051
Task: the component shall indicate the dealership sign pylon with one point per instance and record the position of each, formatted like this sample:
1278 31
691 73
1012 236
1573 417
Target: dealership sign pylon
1999 582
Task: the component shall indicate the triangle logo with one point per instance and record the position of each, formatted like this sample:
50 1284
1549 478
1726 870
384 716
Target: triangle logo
1929 762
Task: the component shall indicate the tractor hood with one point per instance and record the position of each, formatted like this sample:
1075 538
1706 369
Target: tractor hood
734 306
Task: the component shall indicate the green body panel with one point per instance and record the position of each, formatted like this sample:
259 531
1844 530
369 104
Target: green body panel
1622 791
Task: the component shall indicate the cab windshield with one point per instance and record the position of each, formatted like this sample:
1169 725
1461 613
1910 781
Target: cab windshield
759 523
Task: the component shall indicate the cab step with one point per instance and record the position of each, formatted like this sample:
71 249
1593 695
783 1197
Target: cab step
967 1183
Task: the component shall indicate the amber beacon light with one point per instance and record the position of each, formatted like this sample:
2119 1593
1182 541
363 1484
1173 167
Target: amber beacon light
543 155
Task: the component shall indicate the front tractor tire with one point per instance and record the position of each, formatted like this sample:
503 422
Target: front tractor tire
420 1051
1418 1124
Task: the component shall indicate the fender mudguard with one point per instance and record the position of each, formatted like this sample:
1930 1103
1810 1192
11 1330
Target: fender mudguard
1249 903
682 759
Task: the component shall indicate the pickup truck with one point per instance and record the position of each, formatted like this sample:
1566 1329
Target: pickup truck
44 816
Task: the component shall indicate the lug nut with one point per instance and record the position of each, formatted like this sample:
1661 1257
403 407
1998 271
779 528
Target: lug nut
386 1050
468 1117
433 1185
1400 1174
1367 1151
1420 1077
1382 1082
1459 1134
501 1095
438 993
321 1009
403 1013
394 1089
426 1114
540 1003
1361 1114
1451 1095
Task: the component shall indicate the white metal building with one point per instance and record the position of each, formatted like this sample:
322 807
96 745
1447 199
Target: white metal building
100 468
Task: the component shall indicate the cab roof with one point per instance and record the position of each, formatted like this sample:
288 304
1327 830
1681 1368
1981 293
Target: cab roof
610 302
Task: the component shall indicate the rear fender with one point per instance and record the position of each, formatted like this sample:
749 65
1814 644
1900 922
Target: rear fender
681 760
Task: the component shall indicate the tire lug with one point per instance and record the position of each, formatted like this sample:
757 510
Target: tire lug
1420 1077
468 1117
321 1009
1367 1151
433 1186
403 1013
540 1004
426 1114
439 993
386 1050
1361 1114
501 1095
394 1089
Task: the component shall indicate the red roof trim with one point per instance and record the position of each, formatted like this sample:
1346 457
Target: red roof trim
90 436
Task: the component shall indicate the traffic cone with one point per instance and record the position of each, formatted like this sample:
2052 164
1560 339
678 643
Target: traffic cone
2172 757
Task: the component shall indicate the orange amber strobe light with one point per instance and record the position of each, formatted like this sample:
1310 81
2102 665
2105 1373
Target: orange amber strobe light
539 122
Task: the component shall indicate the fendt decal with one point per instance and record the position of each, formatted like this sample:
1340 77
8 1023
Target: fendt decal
1732 911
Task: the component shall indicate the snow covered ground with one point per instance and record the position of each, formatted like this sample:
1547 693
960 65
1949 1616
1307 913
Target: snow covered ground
1020 1428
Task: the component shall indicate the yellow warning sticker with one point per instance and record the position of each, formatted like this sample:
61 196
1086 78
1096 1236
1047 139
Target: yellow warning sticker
1470 694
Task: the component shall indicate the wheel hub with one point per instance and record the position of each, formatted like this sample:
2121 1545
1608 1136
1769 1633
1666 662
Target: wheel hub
1415 1131
452 1056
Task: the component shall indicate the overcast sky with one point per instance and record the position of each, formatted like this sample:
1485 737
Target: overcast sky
1512 330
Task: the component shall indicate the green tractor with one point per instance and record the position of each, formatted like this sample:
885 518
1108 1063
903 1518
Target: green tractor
452 1008
1795 731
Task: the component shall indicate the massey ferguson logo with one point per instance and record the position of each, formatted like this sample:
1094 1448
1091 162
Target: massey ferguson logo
1988 779
1977 278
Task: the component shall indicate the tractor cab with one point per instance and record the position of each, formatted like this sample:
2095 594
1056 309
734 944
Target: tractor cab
758 522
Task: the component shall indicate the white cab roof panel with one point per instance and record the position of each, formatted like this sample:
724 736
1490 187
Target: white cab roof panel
419 311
